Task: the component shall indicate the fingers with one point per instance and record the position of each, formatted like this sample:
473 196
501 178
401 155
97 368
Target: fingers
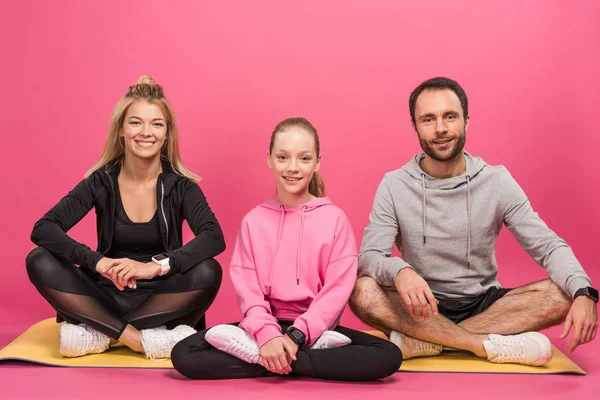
109 266
567 326
290 352
576 341
407 302
433 302
423 305
416 306
283 361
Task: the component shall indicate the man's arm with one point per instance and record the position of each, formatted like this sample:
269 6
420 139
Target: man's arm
378 240
539 241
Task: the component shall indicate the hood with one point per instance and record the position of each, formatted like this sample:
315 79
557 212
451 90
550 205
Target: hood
305 209
474 165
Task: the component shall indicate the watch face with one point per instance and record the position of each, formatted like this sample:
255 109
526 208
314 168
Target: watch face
160 257
593 292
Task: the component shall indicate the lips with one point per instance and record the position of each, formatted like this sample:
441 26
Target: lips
441 142
143 143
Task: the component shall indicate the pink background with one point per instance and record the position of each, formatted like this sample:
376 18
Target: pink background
235 69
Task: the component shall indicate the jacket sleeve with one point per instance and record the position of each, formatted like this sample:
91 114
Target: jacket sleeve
208 241
51 230
540 242
328 305
378 241
255 309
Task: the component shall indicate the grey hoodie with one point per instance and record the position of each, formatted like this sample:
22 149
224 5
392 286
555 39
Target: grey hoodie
446 229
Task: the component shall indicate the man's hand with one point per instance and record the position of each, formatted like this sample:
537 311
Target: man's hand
277 355
583 318
416 293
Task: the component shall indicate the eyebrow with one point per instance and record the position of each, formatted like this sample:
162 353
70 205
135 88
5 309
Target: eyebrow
155 119
433 115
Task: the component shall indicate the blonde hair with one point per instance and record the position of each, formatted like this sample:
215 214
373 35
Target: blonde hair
114 149
316 187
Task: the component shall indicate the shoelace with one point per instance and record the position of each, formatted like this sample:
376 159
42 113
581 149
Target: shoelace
240 350
158 347
91 342
510 350
426 348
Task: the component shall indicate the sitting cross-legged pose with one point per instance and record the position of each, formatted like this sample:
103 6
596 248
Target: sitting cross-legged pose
444 210
141 287
293 269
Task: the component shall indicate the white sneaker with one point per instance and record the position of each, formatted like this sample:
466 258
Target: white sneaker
158 342
330 340
529 348
235 341
411 347
79 340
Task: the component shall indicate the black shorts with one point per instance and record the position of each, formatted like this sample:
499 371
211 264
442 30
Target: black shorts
457 310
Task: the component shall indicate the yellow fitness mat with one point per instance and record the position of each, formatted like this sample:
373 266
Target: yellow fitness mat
39 344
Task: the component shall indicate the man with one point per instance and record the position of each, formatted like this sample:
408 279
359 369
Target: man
444 210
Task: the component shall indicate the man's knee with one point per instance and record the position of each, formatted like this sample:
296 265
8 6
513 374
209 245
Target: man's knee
365 289
206 274
559 302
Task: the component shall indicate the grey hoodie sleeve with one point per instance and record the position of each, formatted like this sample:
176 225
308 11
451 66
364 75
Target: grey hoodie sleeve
542 244
378 241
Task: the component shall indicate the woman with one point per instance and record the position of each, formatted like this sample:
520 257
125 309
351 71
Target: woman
293 269
141 280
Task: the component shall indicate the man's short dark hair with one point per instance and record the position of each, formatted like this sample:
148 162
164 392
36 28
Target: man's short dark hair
438 83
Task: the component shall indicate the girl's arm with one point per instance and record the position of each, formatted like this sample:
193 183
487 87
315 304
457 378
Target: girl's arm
256 310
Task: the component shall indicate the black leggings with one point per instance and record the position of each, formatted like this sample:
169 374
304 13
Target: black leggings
367 358
83 296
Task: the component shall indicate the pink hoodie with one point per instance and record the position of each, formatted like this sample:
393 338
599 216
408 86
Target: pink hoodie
293 264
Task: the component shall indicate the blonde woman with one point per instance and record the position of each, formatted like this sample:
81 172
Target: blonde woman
142 286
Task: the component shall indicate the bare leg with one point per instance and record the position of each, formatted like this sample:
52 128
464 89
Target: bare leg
386 311
531 307
132 338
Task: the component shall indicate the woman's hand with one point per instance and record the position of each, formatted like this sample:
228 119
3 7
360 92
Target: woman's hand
127 271
277 355
104 266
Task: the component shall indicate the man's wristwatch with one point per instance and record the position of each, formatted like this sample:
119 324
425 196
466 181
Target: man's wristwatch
163 261
587 291
297 336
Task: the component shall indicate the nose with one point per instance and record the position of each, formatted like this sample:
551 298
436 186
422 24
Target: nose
440 126
146 130
293 166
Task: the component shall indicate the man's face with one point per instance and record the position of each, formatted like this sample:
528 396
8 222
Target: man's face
440 124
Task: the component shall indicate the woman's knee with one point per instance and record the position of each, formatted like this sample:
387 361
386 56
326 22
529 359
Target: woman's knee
391 359
39 263
206 274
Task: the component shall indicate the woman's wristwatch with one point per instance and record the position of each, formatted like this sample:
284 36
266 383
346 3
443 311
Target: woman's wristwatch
163 261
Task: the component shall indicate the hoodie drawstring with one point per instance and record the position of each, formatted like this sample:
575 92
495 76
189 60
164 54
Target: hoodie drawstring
424 207
299 246
276 246
468 223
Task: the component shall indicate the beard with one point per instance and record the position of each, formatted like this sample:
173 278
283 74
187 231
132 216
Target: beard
429 149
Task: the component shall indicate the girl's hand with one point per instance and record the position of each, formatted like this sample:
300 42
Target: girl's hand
277 355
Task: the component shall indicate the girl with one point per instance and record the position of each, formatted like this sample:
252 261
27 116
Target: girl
140 278
293 269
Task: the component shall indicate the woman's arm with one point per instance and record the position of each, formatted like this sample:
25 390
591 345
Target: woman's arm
51 230
339 280
209 240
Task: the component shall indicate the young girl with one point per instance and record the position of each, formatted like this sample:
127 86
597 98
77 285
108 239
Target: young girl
293 269
141 280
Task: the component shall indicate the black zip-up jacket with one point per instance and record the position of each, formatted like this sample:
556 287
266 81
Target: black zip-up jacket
178 198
